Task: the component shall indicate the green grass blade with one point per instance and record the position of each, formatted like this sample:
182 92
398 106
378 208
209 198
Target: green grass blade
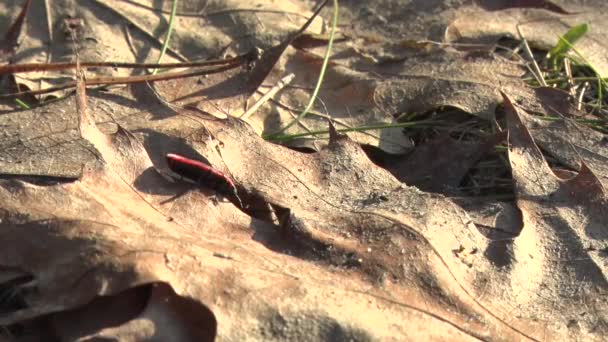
601 82
285 137
169 31
334 24
566 41
22 104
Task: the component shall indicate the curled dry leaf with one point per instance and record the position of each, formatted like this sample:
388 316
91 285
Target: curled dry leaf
570 142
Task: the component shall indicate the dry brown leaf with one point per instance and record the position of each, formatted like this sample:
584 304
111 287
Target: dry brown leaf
555 102
343 221
560 251
570 142
350 233
540 27
204 29
329 247
371 243
100 35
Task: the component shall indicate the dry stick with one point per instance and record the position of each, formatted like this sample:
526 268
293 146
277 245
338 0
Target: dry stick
579 100
49 50
130 40
19 68
49 21
124 80
568 71
280 85
538 74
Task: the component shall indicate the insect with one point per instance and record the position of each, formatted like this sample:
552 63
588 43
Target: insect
203 174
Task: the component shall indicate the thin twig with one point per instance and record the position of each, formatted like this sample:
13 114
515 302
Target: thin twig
124 80
537 74
280 85
568 71
579 100
49 50
29 67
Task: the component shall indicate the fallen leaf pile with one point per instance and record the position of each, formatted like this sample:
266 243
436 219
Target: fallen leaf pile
350 236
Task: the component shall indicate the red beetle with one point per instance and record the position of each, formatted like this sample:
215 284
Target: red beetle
202 174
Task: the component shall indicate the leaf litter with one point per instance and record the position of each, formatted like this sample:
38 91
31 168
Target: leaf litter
322 237
139 242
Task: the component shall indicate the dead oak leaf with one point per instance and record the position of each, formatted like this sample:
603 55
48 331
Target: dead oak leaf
343 211
222 27
570 142
91 241
112 231
557 269
446 77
